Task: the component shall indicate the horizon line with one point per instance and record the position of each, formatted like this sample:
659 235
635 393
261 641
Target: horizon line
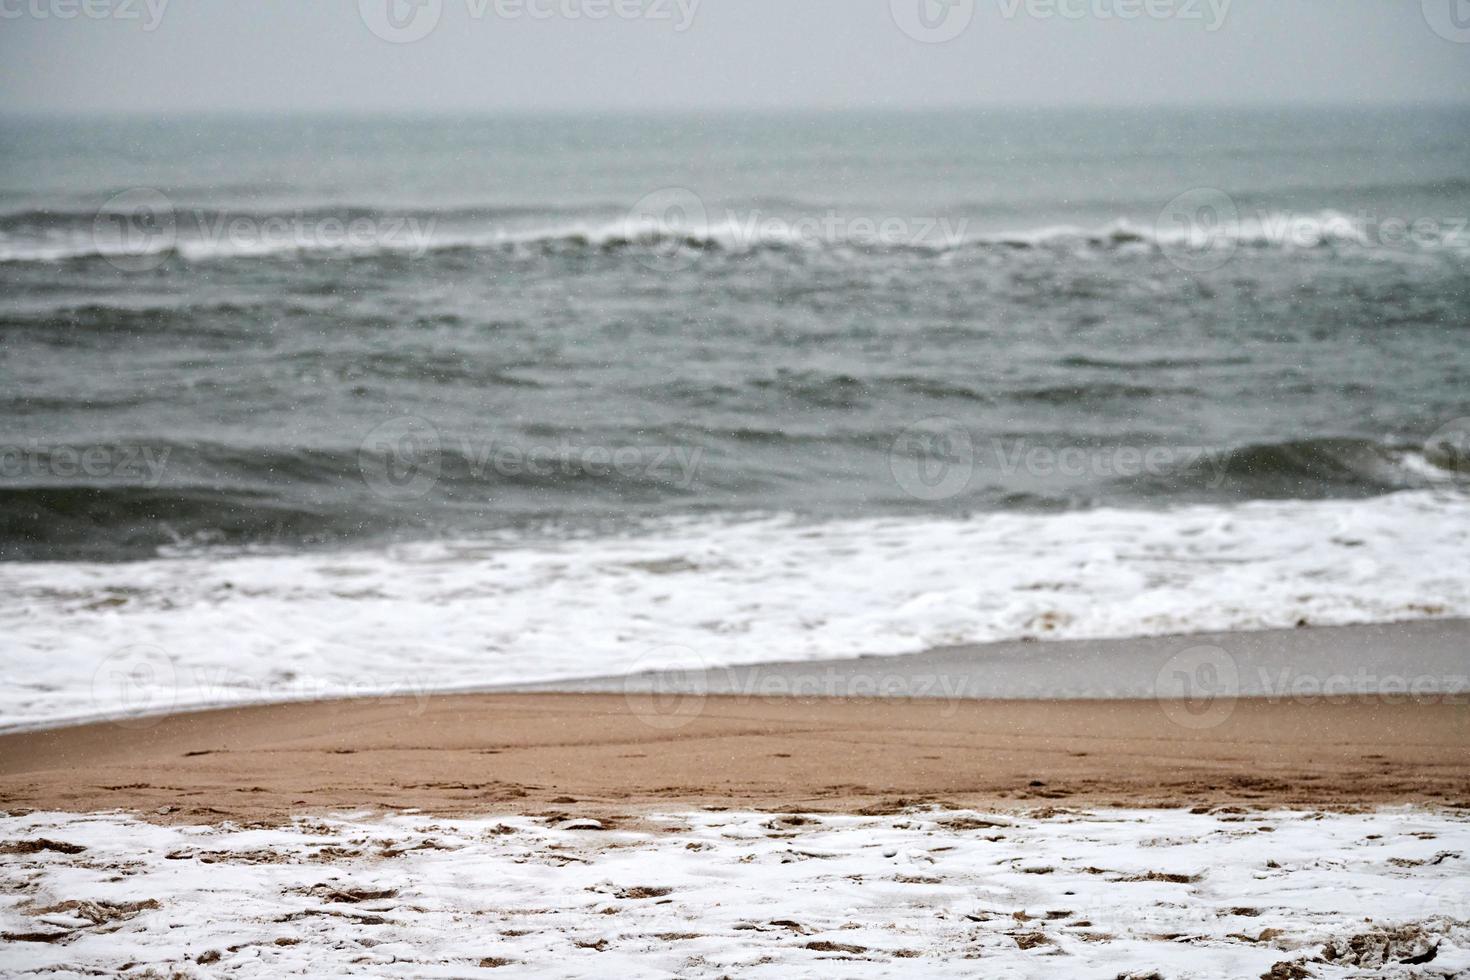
632 111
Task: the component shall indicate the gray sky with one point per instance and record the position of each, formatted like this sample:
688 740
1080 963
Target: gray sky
495 55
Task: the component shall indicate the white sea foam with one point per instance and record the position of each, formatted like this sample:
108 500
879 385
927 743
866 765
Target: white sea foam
95 639
1090 895
734 230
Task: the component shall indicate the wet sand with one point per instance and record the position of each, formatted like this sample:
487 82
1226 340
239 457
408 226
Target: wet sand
590 754
1424 656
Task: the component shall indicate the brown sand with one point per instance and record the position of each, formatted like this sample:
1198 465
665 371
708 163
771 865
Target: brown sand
591 754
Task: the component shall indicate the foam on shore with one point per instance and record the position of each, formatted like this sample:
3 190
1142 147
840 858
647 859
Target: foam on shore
84 639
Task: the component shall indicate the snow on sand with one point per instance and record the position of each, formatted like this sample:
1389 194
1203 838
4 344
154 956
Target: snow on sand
925 893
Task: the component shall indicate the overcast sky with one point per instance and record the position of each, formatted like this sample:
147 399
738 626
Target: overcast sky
657 54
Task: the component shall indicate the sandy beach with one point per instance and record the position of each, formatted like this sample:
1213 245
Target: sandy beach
697 824
585 834
1312 718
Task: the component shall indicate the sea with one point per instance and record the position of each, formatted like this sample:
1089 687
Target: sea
305 406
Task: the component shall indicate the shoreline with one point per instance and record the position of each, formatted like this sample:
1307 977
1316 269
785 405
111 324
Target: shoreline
1430 656
204 629
1168 724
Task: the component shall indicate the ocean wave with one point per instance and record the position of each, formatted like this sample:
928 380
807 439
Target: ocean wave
62 522
222 495
828 390
681 592
71 325
1085 393
65 223
215 495
46 237
1150 363
1305 469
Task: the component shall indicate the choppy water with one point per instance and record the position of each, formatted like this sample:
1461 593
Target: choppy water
298 284
318 337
